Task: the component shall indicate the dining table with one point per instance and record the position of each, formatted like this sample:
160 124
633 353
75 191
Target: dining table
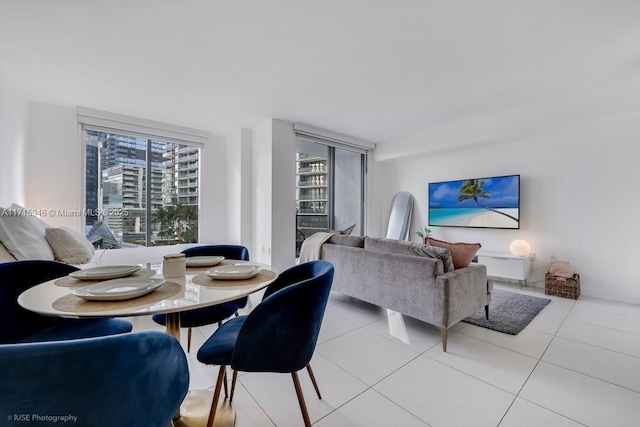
200 287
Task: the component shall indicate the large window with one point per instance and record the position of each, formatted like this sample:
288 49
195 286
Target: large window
139 190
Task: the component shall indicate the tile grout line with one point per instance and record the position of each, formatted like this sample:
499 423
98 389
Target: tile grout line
524 384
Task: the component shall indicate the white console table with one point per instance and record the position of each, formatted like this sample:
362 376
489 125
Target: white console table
506 265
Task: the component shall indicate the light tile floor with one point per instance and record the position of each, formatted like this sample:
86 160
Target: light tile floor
576 364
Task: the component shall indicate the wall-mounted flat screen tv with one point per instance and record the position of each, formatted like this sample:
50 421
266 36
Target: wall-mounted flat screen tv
492 202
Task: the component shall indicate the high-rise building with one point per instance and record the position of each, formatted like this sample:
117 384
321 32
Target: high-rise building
180 180
187 160
92 174
129 150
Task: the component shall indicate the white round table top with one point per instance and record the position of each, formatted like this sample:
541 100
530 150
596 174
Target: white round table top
45 297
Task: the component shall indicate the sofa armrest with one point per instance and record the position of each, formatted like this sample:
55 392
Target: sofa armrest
465 292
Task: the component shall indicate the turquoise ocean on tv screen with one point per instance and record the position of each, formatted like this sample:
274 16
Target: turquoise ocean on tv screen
452 216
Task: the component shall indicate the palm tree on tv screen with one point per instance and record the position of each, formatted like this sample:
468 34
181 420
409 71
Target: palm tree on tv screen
473 189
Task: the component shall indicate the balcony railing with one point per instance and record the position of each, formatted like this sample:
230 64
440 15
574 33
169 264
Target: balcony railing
187 149
182 159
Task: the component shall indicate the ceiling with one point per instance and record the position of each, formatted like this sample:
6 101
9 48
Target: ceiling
378 70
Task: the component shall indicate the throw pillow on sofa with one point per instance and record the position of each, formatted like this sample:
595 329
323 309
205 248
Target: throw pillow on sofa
69 246
410 248
23 235
462 253
5 255
343 240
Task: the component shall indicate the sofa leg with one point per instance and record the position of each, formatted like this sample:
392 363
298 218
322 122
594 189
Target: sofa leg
486 311
443 334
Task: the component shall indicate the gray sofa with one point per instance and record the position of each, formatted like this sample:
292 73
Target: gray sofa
409 278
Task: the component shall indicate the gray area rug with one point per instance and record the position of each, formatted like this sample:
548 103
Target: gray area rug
509 312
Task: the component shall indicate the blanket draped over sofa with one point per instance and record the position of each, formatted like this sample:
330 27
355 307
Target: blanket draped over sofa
404 277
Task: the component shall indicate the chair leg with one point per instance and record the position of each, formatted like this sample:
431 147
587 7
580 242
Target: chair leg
444 335
303 406
313 380
216 396
226 389
233 384
189 340
486 311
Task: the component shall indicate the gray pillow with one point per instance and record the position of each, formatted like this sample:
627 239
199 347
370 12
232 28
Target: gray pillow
69 246
410 248
343 240
442 254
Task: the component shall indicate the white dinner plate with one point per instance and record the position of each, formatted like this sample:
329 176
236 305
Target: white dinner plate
234 272
105 272
203 261
119 289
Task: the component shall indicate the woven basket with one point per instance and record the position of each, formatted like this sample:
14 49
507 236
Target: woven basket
562 286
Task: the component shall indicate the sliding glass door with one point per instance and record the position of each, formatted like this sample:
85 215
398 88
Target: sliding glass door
329 190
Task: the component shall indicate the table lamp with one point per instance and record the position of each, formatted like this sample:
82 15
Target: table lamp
520 248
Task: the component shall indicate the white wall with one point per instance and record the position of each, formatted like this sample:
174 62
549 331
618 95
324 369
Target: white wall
262 188
53 171
239 196
246 187
283 196
273 160
13 140
580 199
212 212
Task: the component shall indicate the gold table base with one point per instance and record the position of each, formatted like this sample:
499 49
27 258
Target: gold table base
195 411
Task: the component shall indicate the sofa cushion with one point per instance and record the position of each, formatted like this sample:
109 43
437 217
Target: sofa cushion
23 235
5 255
344 240
410 248
462 253
69 246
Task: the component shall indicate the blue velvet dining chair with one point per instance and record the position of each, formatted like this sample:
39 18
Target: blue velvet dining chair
20 325
136 379
279 335
216 313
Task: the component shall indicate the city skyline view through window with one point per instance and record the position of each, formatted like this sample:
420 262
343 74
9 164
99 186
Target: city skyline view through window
140 191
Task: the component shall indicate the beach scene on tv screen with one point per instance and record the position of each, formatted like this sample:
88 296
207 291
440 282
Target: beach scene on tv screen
481 202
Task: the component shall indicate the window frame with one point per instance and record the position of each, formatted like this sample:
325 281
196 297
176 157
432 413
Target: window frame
99 121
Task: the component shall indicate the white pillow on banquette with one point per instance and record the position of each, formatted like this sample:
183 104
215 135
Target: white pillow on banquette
22 235
69 246
5 255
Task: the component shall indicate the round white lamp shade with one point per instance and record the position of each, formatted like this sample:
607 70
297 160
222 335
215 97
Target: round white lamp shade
520 248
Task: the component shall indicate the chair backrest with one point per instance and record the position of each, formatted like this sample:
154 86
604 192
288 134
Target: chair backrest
281 332
17 323
228 251
136 379
293 275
